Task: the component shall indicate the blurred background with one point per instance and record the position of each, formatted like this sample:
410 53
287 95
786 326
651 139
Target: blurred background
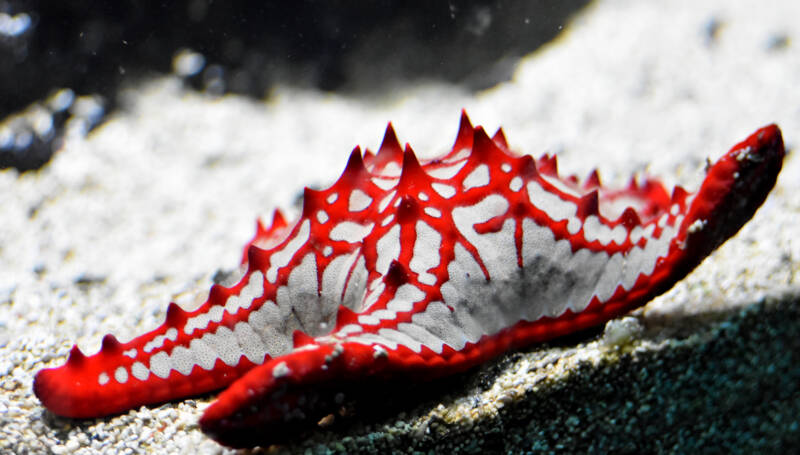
68 60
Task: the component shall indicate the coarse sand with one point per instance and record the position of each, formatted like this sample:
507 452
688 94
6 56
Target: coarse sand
149 206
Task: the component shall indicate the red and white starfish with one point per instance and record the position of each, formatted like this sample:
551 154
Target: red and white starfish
404 269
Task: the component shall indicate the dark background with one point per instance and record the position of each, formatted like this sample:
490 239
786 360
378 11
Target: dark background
95 47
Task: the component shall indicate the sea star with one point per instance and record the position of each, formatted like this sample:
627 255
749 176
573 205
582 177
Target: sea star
416 271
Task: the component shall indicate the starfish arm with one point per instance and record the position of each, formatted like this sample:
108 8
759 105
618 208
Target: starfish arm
446 336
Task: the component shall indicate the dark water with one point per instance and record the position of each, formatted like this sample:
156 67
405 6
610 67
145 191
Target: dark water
64 60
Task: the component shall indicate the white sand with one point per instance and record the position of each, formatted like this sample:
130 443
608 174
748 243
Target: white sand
164 194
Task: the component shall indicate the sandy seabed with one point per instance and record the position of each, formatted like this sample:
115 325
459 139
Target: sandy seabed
146 208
